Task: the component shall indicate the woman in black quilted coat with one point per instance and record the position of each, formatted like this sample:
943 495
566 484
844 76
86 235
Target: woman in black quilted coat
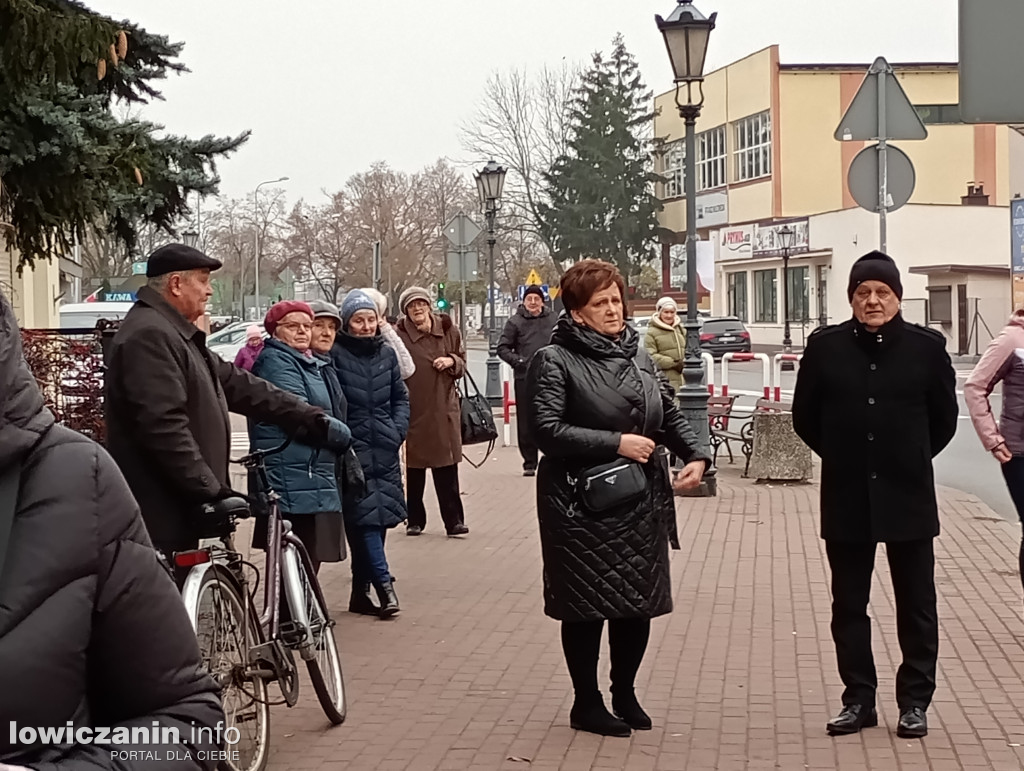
592 398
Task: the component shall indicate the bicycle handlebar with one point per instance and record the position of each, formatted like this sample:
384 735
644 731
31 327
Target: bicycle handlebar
253 459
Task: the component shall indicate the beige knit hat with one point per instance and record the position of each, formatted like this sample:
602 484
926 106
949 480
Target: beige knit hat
413 293
666 302
379 298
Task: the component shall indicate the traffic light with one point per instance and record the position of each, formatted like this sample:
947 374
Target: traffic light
442 301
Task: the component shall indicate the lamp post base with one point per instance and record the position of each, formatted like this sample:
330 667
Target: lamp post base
492 389
693 402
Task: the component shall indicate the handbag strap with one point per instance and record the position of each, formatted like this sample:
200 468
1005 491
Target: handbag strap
10 481
467 379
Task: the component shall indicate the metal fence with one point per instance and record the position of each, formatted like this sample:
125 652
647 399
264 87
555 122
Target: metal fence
68 365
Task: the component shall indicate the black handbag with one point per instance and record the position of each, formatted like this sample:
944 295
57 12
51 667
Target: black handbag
478 425
609 486
620 483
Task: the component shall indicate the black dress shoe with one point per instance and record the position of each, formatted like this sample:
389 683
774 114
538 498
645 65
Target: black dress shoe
529 472
458 530
913 723
413 530
629 709
851 719
594 718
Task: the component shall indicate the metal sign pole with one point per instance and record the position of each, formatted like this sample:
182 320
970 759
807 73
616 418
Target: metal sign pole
883 170
462 304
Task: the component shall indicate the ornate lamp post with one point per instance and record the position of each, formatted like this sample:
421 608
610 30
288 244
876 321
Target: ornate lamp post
489 183
686 32
786 235
190 237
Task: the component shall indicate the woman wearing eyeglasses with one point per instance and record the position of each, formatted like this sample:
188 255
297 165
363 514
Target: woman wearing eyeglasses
303 476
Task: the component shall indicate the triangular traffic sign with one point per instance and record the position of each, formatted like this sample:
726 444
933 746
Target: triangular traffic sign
534 278
860 123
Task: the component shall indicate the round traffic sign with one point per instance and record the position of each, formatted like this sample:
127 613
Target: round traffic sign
863 178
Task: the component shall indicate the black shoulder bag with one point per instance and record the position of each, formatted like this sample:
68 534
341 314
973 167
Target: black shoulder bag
10 481
477 418
618 484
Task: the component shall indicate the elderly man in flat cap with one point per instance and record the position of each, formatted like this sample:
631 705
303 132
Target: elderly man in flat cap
876 400
168 397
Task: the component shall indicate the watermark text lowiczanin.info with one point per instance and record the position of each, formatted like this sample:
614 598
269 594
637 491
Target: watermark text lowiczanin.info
142 737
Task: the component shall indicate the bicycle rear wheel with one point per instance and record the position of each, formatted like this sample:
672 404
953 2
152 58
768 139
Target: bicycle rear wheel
225 632
320 651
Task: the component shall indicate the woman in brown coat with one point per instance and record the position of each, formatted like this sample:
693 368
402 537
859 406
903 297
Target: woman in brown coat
435 428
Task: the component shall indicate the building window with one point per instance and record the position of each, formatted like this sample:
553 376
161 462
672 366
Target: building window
799 294
752 157
737 288
939 114
765 297
940 305
673 162
711 155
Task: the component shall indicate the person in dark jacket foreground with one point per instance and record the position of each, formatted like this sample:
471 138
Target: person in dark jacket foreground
591 401
305 478
378 415
526 332
876 400
167 400
92 629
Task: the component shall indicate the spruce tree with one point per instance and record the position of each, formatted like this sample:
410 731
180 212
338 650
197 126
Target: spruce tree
66 162
601 190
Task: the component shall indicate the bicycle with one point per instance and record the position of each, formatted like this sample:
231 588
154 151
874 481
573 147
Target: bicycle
245 649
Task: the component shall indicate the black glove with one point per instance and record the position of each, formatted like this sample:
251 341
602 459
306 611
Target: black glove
336 435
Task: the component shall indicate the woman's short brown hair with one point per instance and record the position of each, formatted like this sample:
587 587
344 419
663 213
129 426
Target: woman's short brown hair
584 279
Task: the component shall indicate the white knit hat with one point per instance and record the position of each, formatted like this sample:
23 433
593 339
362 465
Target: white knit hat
379 298
413 293
666 302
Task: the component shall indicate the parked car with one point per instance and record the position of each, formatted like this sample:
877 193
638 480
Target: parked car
229 341
725 334
87 315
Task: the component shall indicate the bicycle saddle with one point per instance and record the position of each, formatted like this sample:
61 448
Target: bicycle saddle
234 507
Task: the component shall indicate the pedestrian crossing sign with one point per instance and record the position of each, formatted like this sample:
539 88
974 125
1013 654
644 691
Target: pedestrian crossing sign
534 279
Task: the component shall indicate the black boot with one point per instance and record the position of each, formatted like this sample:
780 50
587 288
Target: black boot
628 708
590 714
361 602
388 599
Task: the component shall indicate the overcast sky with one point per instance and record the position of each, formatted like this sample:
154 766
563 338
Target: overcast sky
330 86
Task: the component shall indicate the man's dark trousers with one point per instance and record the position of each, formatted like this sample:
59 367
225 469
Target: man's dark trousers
527 448
912 565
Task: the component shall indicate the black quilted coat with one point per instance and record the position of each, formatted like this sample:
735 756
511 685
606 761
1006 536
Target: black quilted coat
585 391
92 629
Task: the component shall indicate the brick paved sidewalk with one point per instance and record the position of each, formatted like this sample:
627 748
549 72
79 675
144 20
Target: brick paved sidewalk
741 675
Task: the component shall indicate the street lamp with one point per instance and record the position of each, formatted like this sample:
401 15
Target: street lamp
786 235
686 32
190 237
256 227
489 182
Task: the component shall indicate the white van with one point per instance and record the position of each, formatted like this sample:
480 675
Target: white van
86 315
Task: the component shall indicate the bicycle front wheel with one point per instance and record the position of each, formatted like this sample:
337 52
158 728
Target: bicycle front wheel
225 632
321 650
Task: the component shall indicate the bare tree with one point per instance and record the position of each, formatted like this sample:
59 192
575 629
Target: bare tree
523 123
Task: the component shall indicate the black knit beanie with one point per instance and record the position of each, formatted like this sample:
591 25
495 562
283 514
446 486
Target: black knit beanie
875 266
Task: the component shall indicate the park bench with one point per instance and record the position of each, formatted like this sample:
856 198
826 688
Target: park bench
726 427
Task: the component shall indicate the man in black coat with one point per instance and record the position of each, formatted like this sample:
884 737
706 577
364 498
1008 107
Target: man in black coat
526 332
876 400
93 633
168 398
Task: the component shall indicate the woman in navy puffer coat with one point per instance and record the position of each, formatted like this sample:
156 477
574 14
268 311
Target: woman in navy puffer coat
378 416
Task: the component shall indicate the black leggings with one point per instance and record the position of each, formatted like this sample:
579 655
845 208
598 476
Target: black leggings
1013 473
581 643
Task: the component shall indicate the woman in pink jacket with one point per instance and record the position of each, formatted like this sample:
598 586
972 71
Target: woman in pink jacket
1003 362
253 347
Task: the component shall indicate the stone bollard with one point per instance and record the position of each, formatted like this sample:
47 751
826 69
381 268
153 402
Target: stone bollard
779 454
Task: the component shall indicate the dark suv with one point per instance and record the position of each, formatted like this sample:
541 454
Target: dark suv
724 335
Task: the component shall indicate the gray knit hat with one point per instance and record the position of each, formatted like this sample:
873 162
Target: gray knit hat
413 293
322 309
